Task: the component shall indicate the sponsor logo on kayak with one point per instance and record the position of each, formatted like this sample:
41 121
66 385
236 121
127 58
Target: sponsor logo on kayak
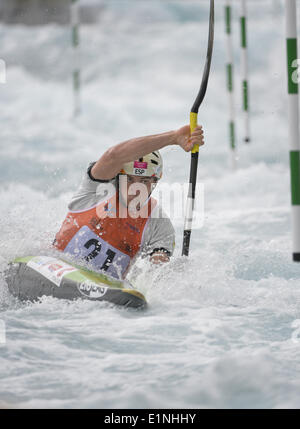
54 267
91 290
51 268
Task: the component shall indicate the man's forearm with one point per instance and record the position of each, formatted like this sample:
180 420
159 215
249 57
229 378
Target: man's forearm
112 160
110 163
138 147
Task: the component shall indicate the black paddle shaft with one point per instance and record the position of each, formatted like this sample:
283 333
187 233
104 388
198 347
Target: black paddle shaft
194 155
203 86
191 194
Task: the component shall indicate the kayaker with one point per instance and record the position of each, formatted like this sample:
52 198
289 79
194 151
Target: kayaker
112 217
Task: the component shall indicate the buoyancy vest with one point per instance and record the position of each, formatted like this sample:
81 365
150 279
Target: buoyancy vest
104 236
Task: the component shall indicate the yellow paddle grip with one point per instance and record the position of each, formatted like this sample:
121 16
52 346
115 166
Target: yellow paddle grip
193 125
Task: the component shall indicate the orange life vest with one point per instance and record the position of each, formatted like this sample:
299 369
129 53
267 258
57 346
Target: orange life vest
103 237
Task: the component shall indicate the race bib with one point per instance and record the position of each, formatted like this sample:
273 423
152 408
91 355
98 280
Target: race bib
98 253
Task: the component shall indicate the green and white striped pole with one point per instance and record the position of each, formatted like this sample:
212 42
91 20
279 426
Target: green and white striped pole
76 58
244 70
293 113
230 78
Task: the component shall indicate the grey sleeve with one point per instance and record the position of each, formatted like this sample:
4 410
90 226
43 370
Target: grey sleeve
91 192
159 235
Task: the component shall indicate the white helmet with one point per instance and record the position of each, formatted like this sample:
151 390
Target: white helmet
147 166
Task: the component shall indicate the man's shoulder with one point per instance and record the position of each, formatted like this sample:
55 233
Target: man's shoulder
91 191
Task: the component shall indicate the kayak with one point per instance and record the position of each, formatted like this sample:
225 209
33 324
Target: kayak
31 277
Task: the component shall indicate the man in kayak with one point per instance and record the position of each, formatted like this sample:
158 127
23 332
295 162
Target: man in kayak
112 217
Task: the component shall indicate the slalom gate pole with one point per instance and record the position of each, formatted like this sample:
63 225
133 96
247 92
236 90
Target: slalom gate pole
293 114
75 47
244 70
193 125
230 77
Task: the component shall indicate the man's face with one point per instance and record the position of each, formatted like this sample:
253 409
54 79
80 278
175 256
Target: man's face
136 186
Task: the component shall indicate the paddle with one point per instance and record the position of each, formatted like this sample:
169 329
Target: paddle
195 150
